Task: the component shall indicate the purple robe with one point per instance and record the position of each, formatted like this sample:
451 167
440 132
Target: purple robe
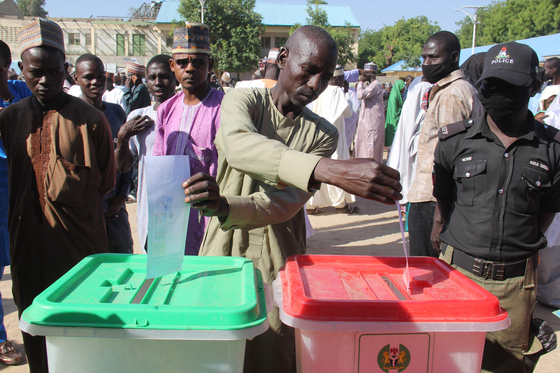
190 130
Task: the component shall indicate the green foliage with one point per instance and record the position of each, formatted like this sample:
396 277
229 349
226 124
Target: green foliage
504 21
32 8
317 15
235 31
402 41
341 35
370 48
345 43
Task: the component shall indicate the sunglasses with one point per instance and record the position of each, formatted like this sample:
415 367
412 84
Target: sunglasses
196 62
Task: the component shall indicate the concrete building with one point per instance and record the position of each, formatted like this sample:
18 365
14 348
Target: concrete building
9 30
115 41
278 19
149 31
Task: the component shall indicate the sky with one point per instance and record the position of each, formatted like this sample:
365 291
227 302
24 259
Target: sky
371 14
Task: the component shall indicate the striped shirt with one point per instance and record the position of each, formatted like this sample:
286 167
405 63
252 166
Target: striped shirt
452 99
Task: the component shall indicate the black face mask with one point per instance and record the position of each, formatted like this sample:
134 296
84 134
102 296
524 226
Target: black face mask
503 104
436 72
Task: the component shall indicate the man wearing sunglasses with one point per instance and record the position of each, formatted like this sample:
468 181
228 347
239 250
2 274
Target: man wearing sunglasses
188 122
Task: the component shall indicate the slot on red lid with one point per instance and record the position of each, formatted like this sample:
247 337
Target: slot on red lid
372 289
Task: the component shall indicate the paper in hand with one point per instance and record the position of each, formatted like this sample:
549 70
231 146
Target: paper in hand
168 214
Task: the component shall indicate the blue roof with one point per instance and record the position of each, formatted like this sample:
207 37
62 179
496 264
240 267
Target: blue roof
274 14
399 66
168 12
548 45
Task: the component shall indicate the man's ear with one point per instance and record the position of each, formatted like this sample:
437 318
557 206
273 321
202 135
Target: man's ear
454 57
282 56
210 64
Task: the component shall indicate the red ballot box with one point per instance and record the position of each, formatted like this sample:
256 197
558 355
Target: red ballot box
353 314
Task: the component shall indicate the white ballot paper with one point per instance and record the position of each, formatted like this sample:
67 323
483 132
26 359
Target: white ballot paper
406 273
168 214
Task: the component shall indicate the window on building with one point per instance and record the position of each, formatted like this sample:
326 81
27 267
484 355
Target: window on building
169 41
120 44
138 45
74 39
265 42
88 39
279 41
9 34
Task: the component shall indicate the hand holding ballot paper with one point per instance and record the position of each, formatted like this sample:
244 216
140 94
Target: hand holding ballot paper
168 214
203 193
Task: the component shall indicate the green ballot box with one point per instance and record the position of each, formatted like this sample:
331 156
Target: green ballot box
104 316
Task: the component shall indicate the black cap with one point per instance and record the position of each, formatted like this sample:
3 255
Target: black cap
512 62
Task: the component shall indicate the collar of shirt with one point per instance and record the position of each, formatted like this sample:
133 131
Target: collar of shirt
481 127
455 75
55 104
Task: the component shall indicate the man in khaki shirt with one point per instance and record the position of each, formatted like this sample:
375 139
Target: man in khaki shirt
450 100
273 154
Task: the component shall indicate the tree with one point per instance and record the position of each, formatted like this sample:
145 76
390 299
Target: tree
371 47
32 8
342 36
504 21
235 31
317 15
402 41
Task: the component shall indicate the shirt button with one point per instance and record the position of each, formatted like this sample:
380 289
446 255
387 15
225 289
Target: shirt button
506 155
501 191
468 174
538 183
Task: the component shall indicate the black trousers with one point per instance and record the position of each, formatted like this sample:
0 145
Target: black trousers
420 222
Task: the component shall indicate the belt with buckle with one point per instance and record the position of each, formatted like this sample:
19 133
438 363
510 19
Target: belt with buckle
488 269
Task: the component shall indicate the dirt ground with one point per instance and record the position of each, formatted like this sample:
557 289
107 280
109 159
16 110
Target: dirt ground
373 231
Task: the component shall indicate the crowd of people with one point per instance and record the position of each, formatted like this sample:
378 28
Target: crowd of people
480 175
479 171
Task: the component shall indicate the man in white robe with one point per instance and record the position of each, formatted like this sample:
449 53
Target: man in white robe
113 94
334 107
548 285
402 156
350 123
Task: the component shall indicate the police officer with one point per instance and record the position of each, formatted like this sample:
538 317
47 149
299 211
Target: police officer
497 184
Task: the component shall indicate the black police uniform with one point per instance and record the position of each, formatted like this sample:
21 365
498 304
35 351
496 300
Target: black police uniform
497 193
492 233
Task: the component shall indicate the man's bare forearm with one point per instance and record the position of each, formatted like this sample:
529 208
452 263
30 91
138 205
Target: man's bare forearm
124 157
441 214
362 177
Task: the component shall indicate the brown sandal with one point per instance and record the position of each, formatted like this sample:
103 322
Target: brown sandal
8 354
313 211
